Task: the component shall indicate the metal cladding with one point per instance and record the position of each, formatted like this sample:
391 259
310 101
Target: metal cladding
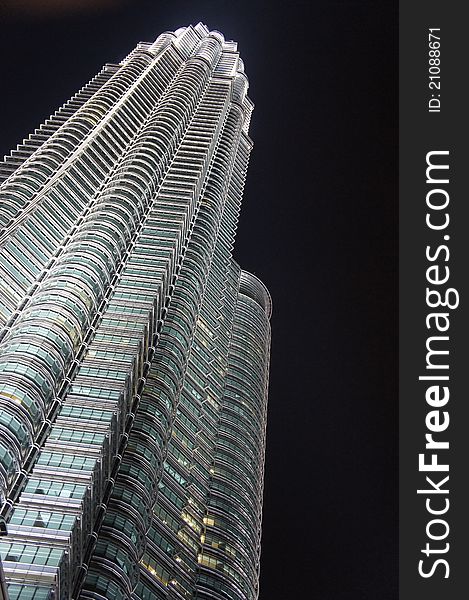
134 352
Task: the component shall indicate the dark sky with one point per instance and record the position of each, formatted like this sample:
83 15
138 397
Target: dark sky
319 226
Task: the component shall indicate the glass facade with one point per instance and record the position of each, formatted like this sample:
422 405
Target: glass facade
134 351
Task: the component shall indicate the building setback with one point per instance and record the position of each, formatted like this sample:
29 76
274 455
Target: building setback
134 351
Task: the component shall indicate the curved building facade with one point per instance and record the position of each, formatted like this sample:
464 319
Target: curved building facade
134 351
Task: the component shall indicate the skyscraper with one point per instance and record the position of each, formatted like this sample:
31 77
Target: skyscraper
134 351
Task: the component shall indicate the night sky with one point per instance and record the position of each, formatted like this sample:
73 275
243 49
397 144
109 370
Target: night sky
318 226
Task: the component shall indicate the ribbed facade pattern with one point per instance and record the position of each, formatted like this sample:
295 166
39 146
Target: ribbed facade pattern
133 351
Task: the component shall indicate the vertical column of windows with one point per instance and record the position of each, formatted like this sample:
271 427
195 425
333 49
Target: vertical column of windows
233 521
184 485
187 39
165 382
224 569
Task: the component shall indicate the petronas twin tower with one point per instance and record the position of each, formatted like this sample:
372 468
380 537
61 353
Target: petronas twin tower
134 351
